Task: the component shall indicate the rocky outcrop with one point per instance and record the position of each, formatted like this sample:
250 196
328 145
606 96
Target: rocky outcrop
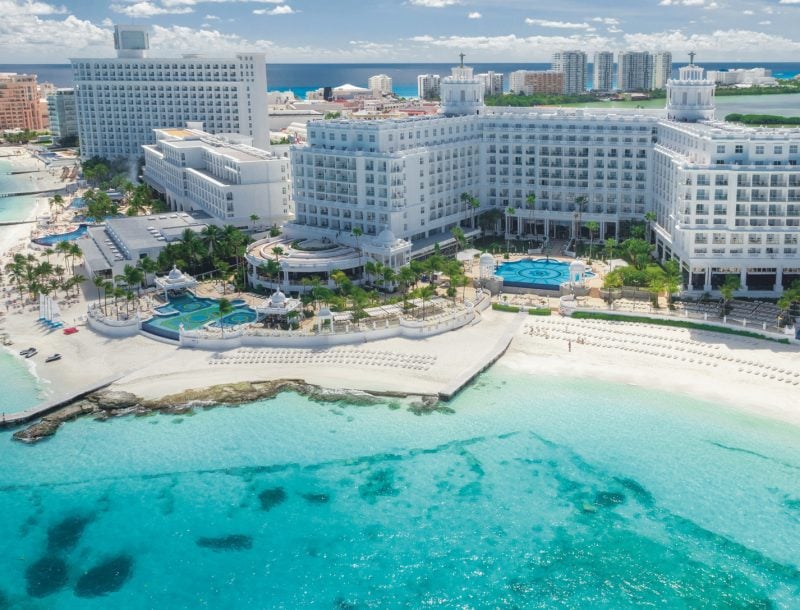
51 423
115 403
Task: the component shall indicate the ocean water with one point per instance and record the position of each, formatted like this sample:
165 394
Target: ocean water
532 493
302 78
15 208
20 389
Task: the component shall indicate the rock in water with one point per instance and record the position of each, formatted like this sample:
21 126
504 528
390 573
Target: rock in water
378 483
270 498
234 542
46 576
64 535
316 498
608 498
105 577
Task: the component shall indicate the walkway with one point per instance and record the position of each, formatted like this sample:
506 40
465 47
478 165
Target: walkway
335 356
500 347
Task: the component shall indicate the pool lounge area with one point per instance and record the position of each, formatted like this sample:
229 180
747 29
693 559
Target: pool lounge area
51 240
195 312
540 274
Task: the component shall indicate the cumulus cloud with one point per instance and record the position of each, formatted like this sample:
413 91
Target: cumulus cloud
606 20
148 9
562 25
474 15
435 3
283 9
682 2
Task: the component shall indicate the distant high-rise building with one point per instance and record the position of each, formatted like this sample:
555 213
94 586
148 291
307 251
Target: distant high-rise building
662 69
379 84
121 101
603 68
20 106
528 82
492 82
428 86
62 114
573 65
635 71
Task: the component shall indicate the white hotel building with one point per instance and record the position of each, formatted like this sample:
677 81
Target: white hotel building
120 101
223 177
727 198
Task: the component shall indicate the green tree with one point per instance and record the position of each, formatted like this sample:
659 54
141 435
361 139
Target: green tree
731 284
225 307
592 226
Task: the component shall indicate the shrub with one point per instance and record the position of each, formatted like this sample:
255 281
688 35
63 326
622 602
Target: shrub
539 311
504 307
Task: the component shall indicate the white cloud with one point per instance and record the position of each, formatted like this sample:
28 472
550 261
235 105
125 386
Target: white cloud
283 9
474 15
211 18
765 22
789 2
148 9
563 25
435 3
606 20
682 2
12 8
748 12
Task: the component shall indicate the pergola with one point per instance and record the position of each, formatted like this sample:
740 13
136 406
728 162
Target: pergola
278 305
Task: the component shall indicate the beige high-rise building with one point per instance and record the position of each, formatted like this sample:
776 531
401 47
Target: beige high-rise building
380 84
573 65
20 103
528 82
662 69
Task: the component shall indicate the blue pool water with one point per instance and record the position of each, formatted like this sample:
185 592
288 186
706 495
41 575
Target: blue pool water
193 312
576 495
535 273
77 203
51 240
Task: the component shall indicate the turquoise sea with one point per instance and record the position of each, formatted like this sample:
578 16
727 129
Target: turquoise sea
14 208
534 493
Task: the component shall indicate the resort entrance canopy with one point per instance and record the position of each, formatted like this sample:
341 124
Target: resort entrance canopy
176 280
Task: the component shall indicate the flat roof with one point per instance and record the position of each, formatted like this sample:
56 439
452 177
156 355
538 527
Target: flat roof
149 232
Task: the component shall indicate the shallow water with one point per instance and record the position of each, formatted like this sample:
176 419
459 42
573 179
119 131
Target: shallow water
20 389
535 493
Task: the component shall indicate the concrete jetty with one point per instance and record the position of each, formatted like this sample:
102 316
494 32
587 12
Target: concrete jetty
499 348
12 420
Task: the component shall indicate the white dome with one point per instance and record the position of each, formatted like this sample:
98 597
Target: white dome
278 298
175 274
385 238
486 259
577 266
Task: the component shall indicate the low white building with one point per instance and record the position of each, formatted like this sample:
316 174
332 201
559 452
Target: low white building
220 176
740 76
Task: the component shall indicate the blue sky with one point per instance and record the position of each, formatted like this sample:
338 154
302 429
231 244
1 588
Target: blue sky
40 31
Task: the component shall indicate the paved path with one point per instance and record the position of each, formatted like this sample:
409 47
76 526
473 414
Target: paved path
500 347
10 420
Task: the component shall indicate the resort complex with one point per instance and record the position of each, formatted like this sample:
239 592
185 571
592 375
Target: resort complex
477 348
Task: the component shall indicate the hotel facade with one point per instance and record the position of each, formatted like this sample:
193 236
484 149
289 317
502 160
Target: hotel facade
726 198
120 101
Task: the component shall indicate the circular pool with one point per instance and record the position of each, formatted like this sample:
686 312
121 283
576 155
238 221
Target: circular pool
540 273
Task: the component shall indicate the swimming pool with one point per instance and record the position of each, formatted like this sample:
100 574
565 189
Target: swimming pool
547 274
51 240
193 312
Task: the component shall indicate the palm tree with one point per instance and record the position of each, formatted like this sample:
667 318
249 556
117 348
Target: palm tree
357 233
458 235
610 244
731 284
407 277
511 211
224 273
581 203
277 251
148 267
225 307
99 282
254 218
649 218
672 279
212 238
425 292
592 226
790 298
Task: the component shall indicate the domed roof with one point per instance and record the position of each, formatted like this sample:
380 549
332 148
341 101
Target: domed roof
577 265
486 258
385 238
175 274
278 298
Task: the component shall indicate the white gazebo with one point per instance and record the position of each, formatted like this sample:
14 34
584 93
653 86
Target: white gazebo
278 305
176 280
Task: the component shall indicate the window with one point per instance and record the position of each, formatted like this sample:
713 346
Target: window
778 150
720 149
759 150
739 149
